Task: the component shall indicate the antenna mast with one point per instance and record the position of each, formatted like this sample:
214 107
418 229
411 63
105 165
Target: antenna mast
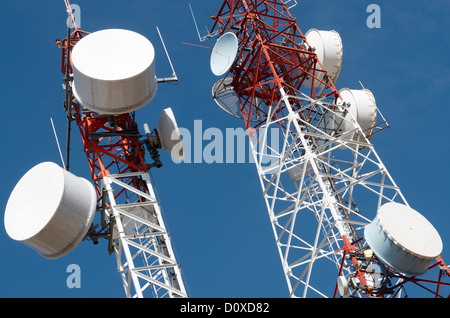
131 215
326 161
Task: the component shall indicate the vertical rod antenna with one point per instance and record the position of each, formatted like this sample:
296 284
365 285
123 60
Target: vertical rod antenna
195 22
168 57
57 143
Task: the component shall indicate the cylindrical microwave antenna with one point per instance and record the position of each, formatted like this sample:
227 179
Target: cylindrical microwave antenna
328 47
50 210
403 238
114 71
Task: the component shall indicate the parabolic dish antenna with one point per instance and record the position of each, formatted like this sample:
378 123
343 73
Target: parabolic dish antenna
169 134
224 53
227 99
404 239
114 71
50 210
225 96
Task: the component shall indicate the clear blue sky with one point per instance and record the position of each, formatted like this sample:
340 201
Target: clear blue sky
216 212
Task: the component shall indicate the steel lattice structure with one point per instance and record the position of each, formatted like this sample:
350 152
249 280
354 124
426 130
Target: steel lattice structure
324 186
131 216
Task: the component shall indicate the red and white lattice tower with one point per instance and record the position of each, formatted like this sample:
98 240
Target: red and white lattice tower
132 219
326 182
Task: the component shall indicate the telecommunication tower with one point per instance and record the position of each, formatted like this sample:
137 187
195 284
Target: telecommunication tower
108 75
341 224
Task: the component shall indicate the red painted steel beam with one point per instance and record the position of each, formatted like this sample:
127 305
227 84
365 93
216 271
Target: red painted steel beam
274 55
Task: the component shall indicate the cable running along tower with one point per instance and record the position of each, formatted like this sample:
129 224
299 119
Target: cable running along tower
341 224
131 216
